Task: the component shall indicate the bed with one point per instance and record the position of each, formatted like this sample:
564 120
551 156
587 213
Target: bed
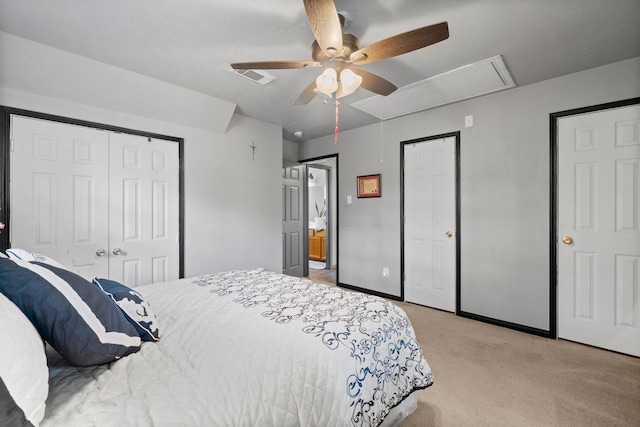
238 348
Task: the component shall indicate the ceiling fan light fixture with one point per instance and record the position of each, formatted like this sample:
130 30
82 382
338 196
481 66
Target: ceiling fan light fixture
350 81
327 82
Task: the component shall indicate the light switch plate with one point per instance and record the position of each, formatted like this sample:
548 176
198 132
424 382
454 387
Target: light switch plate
349 200
468 121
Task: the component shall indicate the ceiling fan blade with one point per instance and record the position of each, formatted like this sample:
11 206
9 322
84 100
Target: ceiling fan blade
273 65
401 43
375 83
307 94
325 24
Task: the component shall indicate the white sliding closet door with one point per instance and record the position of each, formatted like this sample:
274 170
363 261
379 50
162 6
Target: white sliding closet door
102 203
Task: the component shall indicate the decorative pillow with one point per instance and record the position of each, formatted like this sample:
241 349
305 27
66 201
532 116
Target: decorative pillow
24 255
24 376
10 413
134 306
76 318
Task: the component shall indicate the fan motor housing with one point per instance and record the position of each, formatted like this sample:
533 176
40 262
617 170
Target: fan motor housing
350 44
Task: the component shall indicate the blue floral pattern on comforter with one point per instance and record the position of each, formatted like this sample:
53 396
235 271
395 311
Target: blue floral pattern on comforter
376 334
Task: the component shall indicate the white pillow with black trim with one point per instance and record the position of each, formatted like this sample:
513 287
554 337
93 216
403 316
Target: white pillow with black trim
82 323
24 376
24 255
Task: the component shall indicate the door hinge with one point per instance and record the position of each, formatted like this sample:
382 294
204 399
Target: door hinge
11 144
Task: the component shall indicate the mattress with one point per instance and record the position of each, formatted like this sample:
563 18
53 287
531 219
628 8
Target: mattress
251 348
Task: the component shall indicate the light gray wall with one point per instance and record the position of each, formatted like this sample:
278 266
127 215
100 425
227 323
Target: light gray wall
36 68
505 206
232 203
289 152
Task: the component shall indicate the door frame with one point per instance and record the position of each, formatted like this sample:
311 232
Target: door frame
5 154
456 136
330 221
554 118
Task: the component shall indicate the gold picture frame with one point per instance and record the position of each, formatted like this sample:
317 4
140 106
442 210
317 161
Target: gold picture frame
369 186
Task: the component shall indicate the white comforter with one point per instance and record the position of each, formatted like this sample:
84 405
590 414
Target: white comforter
250 348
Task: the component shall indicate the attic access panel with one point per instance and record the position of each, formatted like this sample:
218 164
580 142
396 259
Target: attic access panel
480 78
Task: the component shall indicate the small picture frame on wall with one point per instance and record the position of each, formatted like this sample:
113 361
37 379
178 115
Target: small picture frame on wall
369 186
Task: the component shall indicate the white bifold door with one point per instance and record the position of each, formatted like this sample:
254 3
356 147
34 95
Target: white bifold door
599 229
104 204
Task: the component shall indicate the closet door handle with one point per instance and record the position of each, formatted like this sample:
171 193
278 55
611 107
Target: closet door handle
101 252
117 251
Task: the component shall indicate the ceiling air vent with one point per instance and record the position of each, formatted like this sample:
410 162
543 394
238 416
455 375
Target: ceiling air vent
257 76
480 78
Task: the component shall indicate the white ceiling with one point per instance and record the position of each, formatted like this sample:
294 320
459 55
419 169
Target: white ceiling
191 43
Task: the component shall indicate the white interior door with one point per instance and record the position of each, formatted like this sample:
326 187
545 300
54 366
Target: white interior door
59 182
143 210
102 203
599 229
430 219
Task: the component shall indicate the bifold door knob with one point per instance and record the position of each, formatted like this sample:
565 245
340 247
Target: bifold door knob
101 252
449 233
117 251
567 240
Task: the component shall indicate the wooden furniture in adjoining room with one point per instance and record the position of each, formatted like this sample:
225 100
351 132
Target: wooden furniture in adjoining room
317 245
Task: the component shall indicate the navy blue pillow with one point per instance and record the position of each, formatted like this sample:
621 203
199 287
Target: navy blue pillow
76 318
134 306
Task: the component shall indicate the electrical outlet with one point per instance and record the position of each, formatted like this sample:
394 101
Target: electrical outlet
385 272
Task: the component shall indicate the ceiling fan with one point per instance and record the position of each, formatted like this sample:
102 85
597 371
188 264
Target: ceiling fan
340 54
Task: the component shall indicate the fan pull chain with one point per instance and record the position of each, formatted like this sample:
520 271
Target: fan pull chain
337 104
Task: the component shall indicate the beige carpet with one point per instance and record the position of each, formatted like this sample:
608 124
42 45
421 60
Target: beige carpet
486 375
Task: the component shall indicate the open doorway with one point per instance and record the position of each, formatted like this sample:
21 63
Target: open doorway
322 219
318 195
